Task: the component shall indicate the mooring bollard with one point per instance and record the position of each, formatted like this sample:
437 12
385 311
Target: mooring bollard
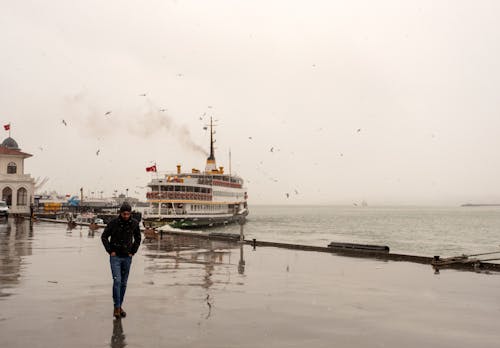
254 243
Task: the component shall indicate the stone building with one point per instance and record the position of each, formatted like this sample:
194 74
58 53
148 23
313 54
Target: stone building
16 188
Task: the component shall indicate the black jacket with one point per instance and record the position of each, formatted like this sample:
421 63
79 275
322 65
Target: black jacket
125 236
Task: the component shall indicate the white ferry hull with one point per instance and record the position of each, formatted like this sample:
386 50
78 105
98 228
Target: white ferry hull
190 222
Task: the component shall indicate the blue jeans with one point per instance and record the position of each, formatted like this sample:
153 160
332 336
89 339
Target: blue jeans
120 267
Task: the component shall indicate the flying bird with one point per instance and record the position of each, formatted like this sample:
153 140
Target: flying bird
64 123
287 195
41 148
296 192
250 138
359 130
107 113
272 149
180 75
97 152
142 95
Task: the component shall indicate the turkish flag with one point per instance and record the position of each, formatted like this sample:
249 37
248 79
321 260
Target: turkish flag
151 169
6 126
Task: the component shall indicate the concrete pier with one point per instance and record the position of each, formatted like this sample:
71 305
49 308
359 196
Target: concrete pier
55 291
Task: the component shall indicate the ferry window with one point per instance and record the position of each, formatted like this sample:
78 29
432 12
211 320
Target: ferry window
177 188
170 188
190 188
11 168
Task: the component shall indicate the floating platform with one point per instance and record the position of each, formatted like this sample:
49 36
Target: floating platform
359 247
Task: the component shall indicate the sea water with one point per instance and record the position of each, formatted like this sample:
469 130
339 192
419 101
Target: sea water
405 229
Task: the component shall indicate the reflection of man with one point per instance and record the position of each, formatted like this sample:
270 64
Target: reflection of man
118 337
121 239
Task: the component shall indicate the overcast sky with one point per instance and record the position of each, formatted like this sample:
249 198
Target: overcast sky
392 102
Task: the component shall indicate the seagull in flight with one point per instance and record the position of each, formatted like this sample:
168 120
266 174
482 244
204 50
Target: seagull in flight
142 95
64 122
97 152
359 130
287 195
107 113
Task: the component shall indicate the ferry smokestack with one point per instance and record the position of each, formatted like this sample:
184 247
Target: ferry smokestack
178 169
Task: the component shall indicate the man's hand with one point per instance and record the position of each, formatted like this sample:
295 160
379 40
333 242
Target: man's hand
129 254
112 253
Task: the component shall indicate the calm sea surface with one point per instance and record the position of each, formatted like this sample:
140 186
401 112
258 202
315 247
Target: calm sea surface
415 230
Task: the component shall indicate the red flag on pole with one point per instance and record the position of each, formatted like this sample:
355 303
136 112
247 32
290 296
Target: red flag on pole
6 126
151 169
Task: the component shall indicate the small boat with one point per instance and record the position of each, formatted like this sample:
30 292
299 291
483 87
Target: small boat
87 219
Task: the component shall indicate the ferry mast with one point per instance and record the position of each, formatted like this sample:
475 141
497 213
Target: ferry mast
211 166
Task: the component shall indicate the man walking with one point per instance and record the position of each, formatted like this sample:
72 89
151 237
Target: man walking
121 239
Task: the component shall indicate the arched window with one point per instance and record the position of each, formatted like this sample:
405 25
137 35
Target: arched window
7 195
22 196
11 168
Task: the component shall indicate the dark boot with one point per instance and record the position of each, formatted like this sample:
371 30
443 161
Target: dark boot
117 313
123 314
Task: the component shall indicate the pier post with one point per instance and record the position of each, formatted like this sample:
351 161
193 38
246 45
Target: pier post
241 222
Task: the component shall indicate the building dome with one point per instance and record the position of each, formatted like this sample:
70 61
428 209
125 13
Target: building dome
10 144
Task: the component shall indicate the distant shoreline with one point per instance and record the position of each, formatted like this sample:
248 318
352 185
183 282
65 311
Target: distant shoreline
480 205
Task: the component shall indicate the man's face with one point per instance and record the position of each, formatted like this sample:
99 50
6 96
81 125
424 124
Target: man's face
125 215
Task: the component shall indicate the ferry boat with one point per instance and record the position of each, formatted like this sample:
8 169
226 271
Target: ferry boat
196 199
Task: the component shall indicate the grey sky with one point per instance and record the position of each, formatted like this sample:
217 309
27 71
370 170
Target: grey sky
420 79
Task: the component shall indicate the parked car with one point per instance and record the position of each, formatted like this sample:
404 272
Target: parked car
4 210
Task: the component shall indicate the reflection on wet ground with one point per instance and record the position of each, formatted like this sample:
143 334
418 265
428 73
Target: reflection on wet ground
15 243
185 292
118 337
183 255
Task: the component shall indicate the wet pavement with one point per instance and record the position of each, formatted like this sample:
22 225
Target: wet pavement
55 291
